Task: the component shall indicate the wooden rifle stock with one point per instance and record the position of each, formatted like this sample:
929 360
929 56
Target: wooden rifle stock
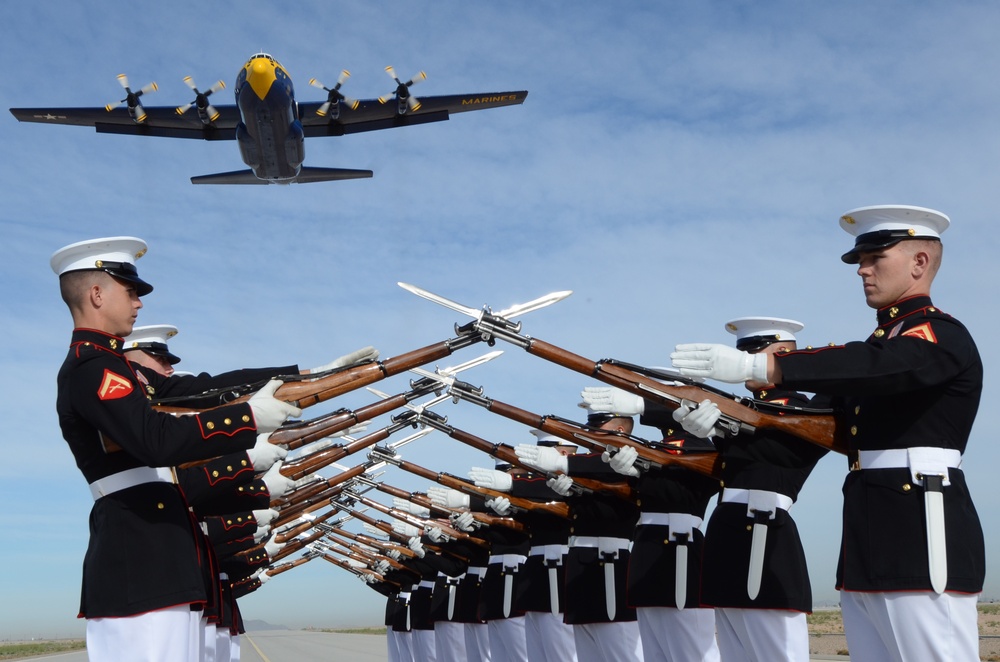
426 502
288 565
371 542
419 523
557 508
291 533
819 429
310 391
707 463
296 545
506 453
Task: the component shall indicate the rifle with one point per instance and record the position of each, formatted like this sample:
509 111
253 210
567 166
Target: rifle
368 540
387 529
418 522
708 463
307 390
558 508
506 453
482 519
295 545
302 498
296 434
303 466
284 567
739 415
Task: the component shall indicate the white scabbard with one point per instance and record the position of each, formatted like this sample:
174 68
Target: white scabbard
681 576
609 589
451 601
757 545
937 552
554 590
508 592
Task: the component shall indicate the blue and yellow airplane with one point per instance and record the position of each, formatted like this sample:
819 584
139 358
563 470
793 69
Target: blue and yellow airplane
267 122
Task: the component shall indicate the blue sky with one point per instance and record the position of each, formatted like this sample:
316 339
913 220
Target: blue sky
676 165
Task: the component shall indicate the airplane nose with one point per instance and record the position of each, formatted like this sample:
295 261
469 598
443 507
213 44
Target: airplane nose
260 75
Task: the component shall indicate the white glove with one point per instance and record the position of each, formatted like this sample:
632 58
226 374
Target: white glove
265 516
417 546
264 453
499 505
276 483
410 507
404 529
464 521
363 354
447 497
354 563
261 533
366 578
612 400
436 534
699 421
269 412
623 461
263 577
381 567
491 478
720 362
543 458
373 530
272 547
561 484
393 554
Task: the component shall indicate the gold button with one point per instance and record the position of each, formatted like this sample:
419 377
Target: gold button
722 483
215 474
241 488
854 430
228 421
229 522
857 410
160 506
723 465
667 541
932 309
229 468
749 527
210 425
246 419
572 529
243 463
638 502
239 519
763 394
575 515
907 487
879 333
893 311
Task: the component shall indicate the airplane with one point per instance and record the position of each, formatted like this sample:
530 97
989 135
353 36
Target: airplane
267 123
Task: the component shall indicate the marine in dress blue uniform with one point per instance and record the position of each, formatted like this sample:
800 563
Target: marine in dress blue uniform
913 557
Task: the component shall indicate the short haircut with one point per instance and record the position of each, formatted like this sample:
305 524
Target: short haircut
74 285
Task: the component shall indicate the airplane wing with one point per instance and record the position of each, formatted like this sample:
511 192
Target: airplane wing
160 121
371 115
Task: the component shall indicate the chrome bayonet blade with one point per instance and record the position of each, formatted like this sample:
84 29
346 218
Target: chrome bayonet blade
485 358
441 301
540 302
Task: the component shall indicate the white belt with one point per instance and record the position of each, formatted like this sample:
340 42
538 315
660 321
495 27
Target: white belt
757 500
478 571
130 478
426 583
602 543
508 560
549 552
678 523
919 460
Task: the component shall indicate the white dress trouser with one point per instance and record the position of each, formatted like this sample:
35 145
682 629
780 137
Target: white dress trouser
477 642
911 626
548 638
608 642
424 649
678 635
507 640
762 635
449 639
404 642
165 635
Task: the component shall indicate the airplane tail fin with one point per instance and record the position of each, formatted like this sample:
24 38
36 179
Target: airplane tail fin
306 175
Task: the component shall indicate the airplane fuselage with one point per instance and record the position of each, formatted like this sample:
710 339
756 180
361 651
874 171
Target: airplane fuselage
270 134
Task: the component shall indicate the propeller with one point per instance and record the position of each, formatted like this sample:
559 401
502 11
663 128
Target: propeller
405 99
206 111
132 99
334 96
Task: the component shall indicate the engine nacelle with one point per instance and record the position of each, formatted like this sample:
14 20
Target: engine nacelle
295 144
